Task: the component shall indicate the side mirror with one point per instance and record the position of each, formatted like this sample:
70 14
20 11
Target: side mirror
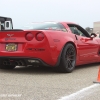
93 35
8 25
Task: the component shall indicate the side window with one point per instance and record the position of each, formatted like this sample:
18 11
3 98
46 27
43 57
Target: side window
78 30
74 30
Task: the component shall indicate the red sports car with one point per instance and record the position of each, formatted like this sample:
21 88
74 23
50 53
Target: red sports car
57 44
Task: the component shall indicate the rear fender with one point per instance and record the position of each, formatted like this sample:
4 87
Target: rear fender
61 46
57 41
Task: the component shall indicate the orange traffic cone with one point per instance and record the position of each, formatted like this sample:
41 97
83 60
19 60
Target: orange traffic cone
98 78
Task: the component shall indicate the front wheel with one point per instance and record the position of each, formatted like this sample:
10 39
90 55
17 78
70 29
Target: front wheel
68 59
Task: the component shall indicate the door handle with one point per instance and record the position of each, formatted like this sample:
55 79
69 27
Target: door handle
82 39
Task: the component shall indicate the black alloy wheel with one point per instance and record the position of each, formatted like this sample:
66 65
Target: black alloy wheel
68 59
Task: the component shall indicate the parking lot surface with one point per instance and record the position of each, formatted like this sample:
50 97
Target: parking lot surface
40 83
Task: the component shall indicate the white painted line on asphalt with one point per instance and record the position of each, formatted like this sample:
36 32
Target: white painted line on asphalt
82 93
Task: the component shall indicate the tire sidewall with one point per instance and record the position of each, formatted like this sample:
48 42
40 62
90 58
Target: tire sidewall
63 59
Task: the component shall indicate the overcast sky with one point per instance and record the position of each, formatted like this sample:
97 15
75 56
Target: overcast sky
23 12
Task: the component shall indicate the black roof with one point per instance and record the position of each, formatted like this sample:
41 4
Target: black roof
4 17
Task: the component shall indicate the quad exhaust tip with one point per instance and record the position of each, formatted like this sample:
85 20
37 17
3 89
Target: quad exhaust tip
17 63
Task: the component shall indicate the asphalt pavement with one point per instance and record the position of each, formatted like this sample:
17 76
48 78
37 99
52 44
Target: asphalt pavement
28 83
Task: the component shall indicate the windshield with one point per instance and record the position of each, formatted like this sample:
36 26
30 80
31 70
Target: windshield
46 26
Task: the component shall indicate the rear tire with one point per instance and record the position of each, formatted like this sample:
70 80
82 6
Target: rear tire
7 67
68 59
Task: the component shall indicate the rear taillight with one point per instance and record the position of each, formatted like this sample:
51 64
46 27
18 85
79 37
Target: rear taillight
39 36
29 36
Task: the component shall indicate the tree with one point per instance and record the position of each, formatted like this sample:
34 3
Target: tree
88 29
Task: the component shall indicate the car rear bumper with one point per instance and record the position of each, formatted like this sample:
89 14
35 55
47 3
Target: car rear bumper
22 61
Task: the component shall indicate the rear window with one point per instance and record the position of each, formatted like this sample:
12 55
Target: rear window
47 26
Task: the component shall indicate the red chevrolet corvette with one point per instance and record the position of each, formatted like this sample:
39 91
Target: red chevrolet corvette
57 44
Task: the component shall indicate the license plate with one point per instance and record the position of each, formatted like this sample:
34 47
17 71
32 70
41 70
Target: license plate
11 47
